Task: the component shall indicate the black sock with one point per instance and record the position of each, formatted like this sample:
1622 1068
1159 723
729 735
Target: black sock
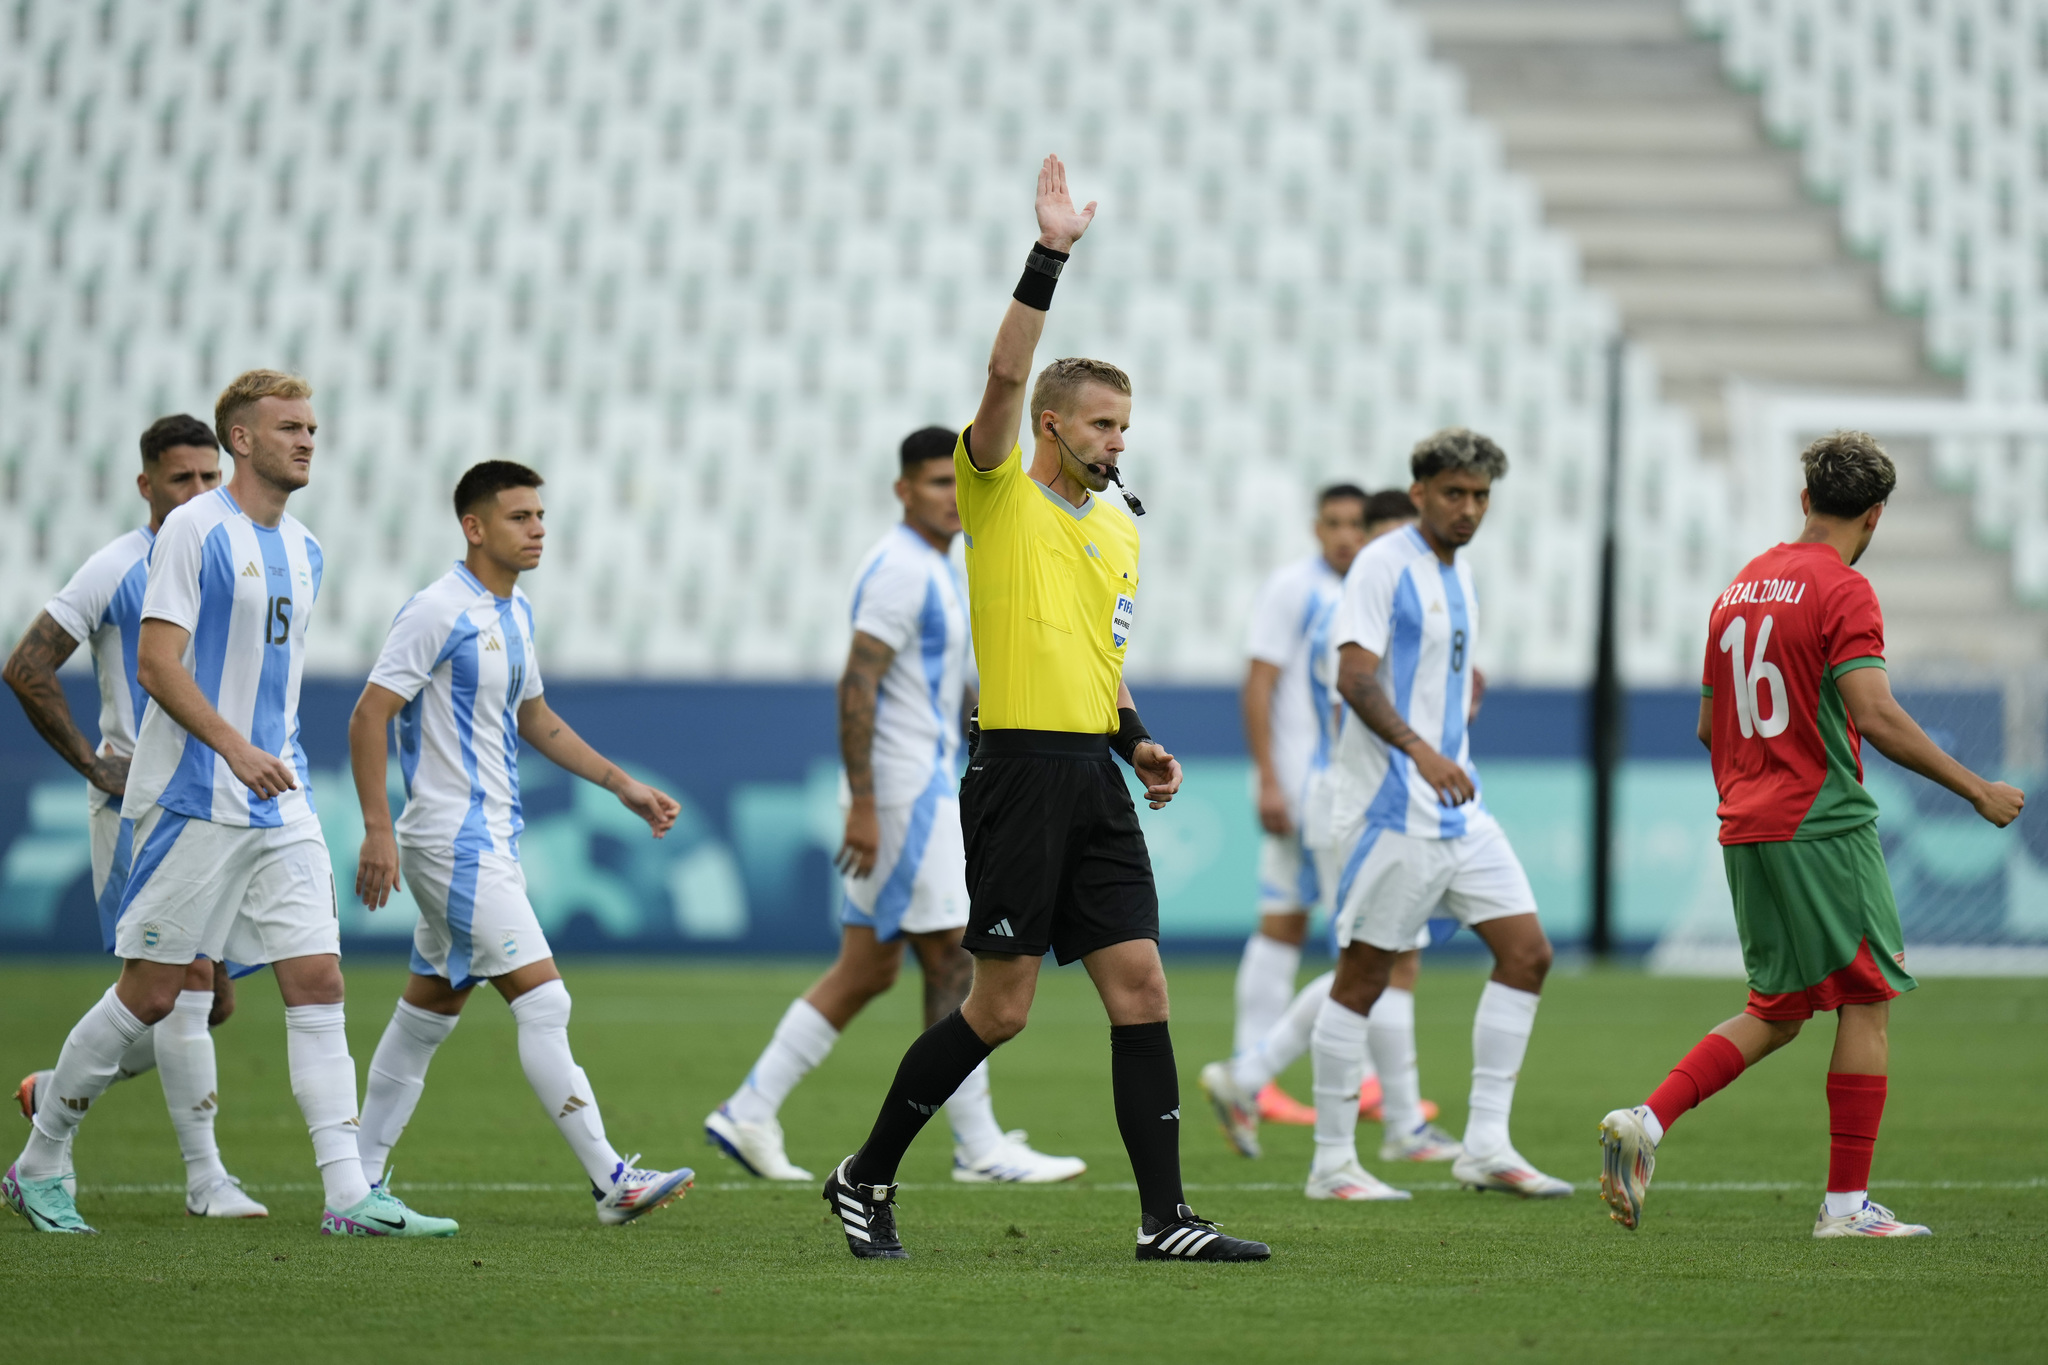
1147 1093
926 1078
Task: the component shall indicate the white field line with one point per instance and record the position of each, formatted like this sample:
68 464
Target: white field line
1105 1187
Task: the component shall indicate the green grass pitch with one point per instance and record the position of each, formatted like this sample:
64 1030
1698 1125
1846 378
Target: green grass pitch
1724 1268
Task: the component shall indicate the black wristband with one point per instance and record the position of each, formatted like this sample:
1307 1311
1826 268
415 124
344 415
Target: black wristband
1041 272
1130 733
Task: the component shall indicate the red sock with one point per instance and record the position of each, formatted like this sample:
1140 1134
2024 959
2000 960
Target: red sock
1855 1107
1713 1062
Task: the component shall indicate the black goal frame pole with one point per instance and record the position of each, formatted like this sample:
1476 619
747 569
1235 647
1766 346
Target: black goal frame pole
1606 728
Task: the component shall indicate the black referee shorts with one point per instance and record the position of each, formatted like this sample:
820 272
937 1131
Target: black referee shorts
1055 857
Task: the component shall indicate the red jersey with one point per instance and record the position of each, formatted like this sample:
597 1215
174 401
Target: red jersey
1788 762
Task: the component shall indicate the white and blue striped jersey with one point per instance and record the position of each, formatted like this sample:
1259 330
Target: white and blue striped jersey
1421 617
463 659
909 596
101 608
1290 629
246 594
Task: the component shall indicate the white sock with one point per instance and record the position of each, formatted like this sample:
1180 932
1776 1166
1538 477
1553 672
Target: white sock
140 1058
1842 1205
973 1115
85 1068
1652 1126
1392 1040
1265 983
543 1018
1500 1036
1338 1047
184 1054
1285 1041
398 1076
802 1040
324 1084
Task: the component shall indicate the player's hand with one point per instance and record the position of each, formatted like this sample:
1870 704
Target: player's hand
267 775
863 841
1158 770
377 869
109 773
2000 803
651 804
1452 784
1060 224
1273 809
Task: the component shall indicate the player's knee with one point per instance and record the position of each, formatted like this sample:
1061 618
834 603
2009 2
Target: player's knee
1783 1031
1003 1027
873 978
222 1010
1525 965
1358 994
996 1023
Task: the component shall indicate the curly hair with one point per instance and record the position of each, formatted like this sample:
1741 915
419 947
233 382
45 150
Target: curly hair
1848 473
1457 448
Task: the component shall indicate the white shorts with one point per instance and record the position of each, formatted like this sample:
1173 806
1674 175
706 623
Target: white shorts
1288 879
475 920
235 894
1330 869
113 843
1393 883
919 882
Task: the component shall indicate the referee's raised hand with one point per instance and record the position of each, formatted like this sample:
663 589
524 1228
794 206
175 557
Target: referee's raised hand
1060 224
1160 771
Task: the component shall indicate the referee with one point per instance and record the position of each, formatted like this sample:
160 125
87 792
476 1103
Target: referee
1056 860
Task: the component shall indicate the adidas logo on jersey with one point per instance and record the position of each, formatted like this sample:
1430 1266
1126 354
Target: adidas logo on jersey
1001 929
491 646
249 570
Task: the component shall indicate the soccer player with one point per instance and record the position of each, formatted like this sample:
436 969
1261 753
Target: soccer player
901 701
1416 838
1056 858
1285 729
229 861
1794 683
1242 1091
460 675
101 608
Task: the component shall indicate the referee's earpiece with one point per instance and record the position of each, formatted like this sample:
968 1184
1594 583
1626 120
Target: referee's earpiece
1101 471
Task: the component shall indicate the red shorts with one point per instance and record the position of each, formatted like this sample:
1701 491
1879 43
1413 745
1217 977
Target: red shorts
1859 983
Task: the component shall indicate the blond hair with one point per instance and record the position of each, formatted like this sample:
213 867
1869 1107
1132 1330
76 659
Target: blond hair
1458 448
243 392
1061 382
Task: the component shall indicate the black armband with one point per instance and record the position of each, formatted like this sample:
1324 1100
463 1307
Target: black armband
1130 733
1041 272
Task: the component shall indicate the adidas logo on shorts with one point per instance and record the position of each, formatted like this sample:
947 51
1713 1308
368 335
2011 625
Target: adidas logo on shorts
1001 929
926 1109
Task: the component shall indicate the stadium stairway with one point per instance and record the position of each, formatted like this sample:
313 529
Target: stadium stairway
1722 265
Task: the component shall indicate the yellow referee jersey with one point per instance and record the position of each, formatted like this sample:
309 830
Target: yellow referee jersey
1051 589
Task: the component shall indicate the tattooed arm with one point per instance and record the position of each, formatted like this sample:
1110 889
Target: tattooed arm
1358 670
32 672
860 690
